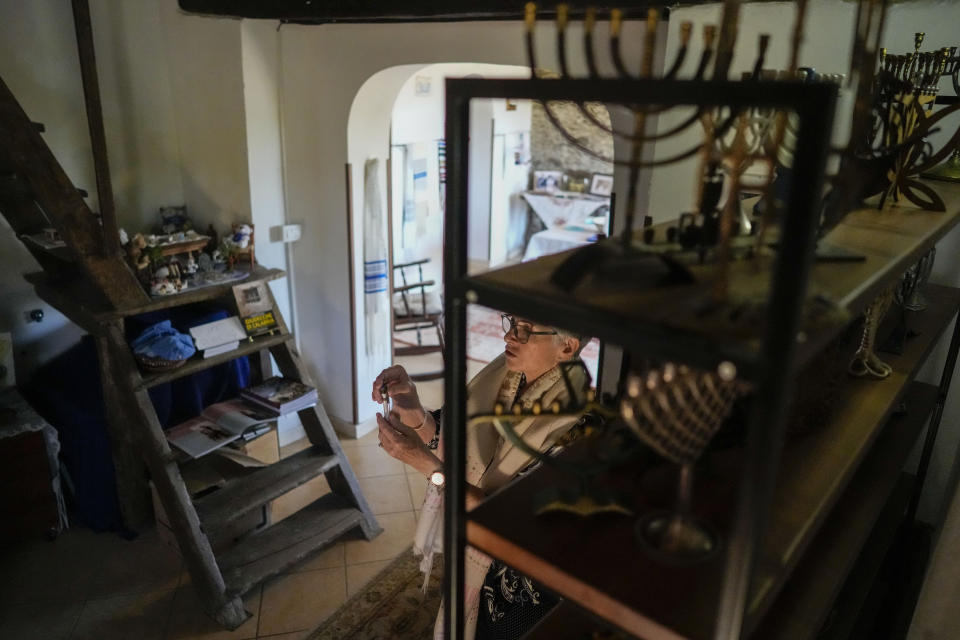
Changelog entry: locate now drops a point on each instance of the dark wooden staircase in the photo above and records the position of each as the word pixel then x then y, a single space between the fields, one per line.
pixel 89 281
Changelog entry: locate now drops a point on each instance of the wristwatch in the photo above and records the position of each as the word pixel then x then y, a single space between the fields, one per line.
pixel 437 479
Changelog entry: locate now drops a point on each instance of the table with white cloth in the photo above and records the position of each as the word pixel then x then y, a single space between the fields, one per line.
pixel 544 243
pixel 563 207
pixel 564 214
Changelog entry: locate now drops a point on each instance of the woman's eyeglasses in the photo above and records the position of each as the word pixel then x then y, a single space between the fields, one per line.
pixel 521 331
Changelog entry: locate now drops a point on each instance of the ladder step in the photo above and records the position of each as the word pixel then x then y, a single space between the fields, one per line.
pixel 199 363
pixel 249 492
pixel 270 552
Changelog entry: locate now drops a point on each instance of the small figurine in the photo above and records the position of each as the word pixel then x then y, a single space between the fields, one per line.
pixel 191 267
pixel 204 263
pixel 162 288
pixel 138 259
pixel 239 244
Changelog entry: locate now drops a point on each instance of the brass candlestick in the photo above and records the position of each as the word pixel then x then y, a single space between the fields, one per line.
pixel 948 171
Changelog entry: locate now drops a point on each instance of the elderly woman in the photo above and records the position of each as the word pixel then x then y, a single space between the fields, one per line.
pixel 499 602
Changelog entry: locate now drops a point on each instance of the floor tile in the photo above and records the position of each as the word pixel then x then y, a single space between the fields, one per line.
pixel 188 620
pixel 49 620
pixel 359 574
pixel 397 536
pixel 296 446
pixel 296 499
pixel 368 462
pixel 142 616
pixel 386 494
pixel 300 601
pixel 74 558
pixel 136 566
pixel 326 559
pixel 366 440
pixel 418 489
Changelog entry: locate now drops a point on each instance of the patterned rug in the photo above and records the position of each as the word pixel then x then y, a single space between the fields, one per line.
pixel 390 607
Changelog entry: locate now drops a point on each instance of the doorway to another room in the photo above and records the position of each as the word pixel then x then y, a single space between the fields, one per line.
pixel 532 194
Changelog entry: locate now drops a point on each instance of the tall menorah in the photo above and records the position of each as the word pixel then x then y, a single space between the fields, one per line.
pixel 731 141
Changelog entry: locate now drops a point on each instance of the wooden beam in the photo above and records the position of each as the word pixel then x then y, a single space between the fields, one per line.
pixel 325 11
pixel 141 419
pixel 133 493
pixel 23 150
pixel 91 95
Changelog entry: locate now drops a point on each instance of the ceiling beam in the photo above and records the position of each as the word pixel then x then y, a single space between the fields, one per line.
pixel 328 11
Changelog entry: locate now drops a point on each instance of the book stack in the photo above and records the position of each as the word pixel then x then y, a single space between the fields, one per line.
pixel 219 424
pixel 280 395
pixel 220 336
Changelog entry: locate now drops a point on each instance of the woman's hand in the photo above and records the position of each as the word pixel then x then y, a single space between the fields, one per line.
pixel 406 402
pixel 404 444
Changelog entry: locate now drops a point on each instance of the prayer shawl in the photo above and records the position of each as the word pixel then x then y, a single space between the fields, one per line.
pixel 376 307
pixel 491 462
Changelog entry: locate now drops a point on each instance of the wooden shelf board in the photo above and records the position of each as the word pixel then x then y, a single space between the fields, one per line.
pixel 801 608
pixel 271 551
pixel 199 363
pixel 243 494
pixel 855 594
pixel 660 320
pixel 77 299
pixel 600 565
pixel 809 491
pixel 566 620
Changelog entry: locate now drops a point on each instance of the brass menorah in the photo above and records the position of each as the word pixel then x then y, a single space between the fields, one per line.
pixel 894 114
pixel 732 139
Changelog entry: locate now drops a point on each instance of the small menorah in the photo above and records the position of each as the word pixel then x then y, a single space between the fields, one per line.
pixel 676 410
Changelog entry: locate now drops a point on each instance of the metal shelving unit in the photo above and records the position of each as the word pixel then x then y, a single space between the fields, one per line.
pixel 770 503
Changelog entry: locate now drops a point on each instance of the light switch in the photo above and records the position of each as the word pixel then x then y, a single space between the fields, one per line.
pixel 285 233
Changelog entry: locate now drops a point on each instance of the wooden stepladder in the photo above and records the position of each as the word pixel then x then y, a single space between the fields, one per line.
pixel 89 281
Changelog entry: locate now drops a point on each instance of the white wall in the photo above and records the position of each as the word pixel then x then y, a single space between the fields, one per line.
pixel 262 94
pixel 205 63
pixel 40 65
pixel 324 67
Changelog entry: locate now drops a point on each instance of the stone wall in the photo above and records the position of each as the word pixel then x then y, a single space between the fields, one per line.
pixel 551 151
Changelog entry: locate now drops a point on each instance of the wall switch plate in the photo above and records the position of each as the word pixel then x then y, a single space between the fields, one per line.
pixel 285 233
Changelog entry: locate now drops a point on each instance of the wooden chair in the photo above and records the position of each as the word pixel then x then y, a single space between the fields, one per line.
pixel 417 307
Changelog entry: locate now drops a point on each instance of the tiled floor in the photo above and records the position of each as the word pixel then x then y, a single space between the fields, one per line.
pixel 100 587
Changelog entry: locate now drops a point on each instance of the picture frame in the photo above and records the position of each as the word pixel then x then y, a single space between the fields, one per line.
pixel 547 180
pixel 601 184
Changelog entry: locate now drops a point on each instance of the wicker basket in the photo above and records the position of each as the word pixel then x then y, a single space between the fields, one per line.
pixel 158 364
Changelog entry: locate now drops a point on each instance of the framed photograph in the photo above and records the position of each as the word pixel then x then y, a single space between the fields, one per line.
pixel 601 184
pixel 546 180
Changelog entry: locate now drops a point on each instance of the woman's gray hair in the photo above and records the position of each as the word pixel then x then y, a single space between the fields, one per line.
pixel 563 334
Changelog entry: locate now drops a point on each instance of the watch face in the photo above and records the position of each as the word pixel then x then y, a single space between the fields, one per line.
pixel 436 478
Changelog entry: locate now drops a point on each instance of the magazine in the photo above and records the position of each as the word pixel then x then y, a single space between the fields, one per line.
pixel 255 306
pixel 280 395
pixel 218 425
